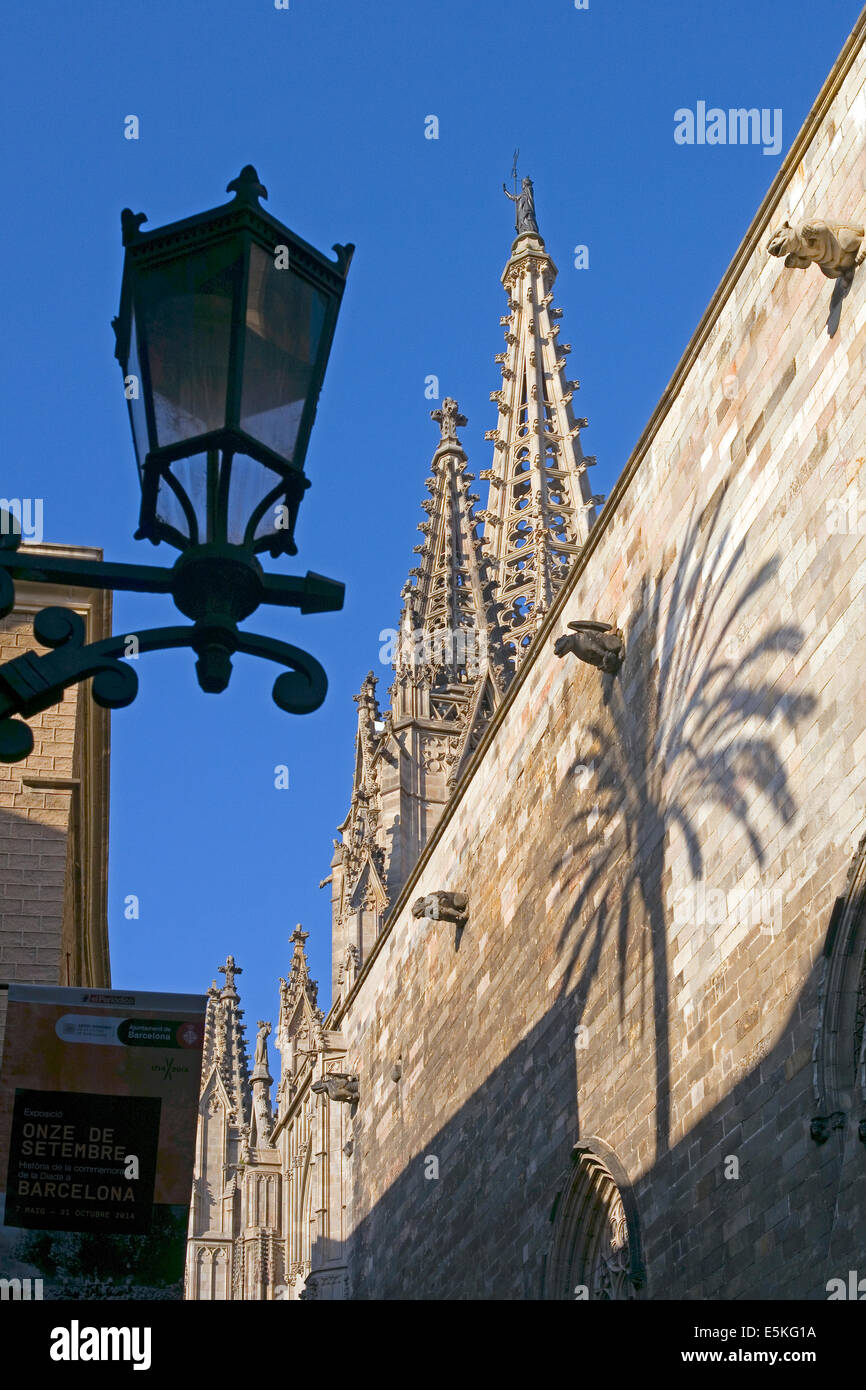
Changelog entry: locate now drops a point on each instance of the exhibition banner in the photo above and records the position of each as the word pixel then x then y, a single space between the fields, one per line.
pixel 98 1110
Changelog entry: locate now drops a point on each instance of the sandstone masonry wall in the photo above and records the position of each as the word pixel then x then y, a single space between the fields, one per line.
pixel 54 817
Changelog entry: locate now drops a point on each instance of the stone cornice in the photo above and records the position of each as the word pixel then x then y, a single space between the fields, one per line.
pixel 752 240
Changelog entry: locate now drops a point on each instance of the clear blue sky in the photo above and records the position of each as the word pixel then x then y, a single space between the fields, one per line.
pixel 328 99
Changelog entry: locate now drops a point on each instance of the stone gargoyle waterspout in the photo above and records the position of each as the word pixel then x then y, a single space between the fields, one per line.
pixel 833 246
pixel 338 1086
pixel 598 644
pixel 442 907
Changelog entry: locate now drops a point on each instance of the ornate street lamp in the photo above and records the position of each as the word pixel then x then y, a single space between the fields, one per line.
pixel 224 331
pixel 225 326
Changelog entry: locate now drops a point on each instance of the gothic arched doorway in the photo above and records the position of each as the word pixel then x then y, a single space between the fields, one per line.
pixel 595 1243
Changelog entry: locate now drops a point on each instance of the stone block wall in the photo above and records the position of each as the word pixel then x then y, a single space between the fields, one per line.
pixel 54 815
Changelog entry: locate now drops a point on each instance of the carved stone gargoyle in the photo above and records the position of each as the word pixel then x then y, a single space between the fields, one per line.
pixel 338 1086
pixel 598 644
pixel 832 246
pixel 822 1126
pixel 442 907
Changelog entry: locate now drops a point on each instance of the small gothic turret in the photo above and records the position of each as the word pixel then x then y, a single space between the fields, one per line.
pixel 359 895
pixel 221 1141
pixel 450 656
pixel 299 1029
pixel 225 1041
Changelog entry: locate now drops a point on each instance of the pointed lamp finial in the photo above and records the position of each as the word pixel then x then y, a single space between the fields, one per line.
pixel 299 936
pixel 247 187
pixel 130 225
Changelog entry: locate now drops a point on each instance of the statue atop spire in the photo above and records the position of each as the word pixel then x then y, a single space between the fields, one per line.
pixel 524 207
pixel 299 936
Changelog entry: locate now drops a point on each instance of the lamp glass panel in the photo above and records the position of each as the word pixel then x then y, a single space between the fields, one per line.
pixel 133 390
pixel 285 317
pixel 191 474
pixel 186 311
pixel 250 483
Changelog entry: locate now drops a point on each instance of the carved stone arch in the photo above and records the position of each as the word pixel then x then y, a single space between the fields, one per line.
pixel 595 1248
pixel 839 1055
pixel 220 1289
pixel 204 1274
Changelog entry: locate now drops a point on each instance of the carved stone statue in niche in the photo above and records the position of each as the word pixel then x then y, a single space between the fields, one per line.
pixel 349 971
pixel 262 1044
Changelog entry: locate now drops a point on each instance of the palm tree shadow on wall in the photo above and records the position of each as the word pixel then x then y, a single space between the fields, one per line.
pixel 694 726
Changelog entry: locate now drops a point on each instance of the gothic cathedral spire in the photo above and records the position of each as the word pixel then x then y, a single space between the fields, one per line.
pixel 540 505
pixel 470 607
pixel 450 672
pixel 451 636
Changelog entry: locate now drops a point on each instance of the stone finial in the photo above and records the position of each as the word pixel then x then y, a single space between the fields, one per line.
pixel 832 246
pixel 449 420
pixel 598 644
pixel 442 907
pixel 230 970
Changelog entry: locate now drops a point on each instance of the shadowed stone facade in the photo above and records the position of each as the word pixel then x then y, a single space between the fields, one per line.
pixel 636 1069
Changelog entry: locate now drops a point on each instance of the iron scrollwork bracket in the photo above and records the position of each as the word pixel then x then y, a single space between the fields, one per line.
pixel 33 682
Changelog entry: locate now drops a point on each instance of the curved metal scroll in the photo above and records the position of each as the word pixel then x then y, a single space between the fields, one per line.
pixel 31 682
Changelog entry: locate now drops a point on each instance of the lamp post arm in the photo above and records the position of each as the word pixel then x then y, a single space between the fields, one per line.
pixel 86 574
pixel 215 585
pixel 31 682
pixel 311 593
